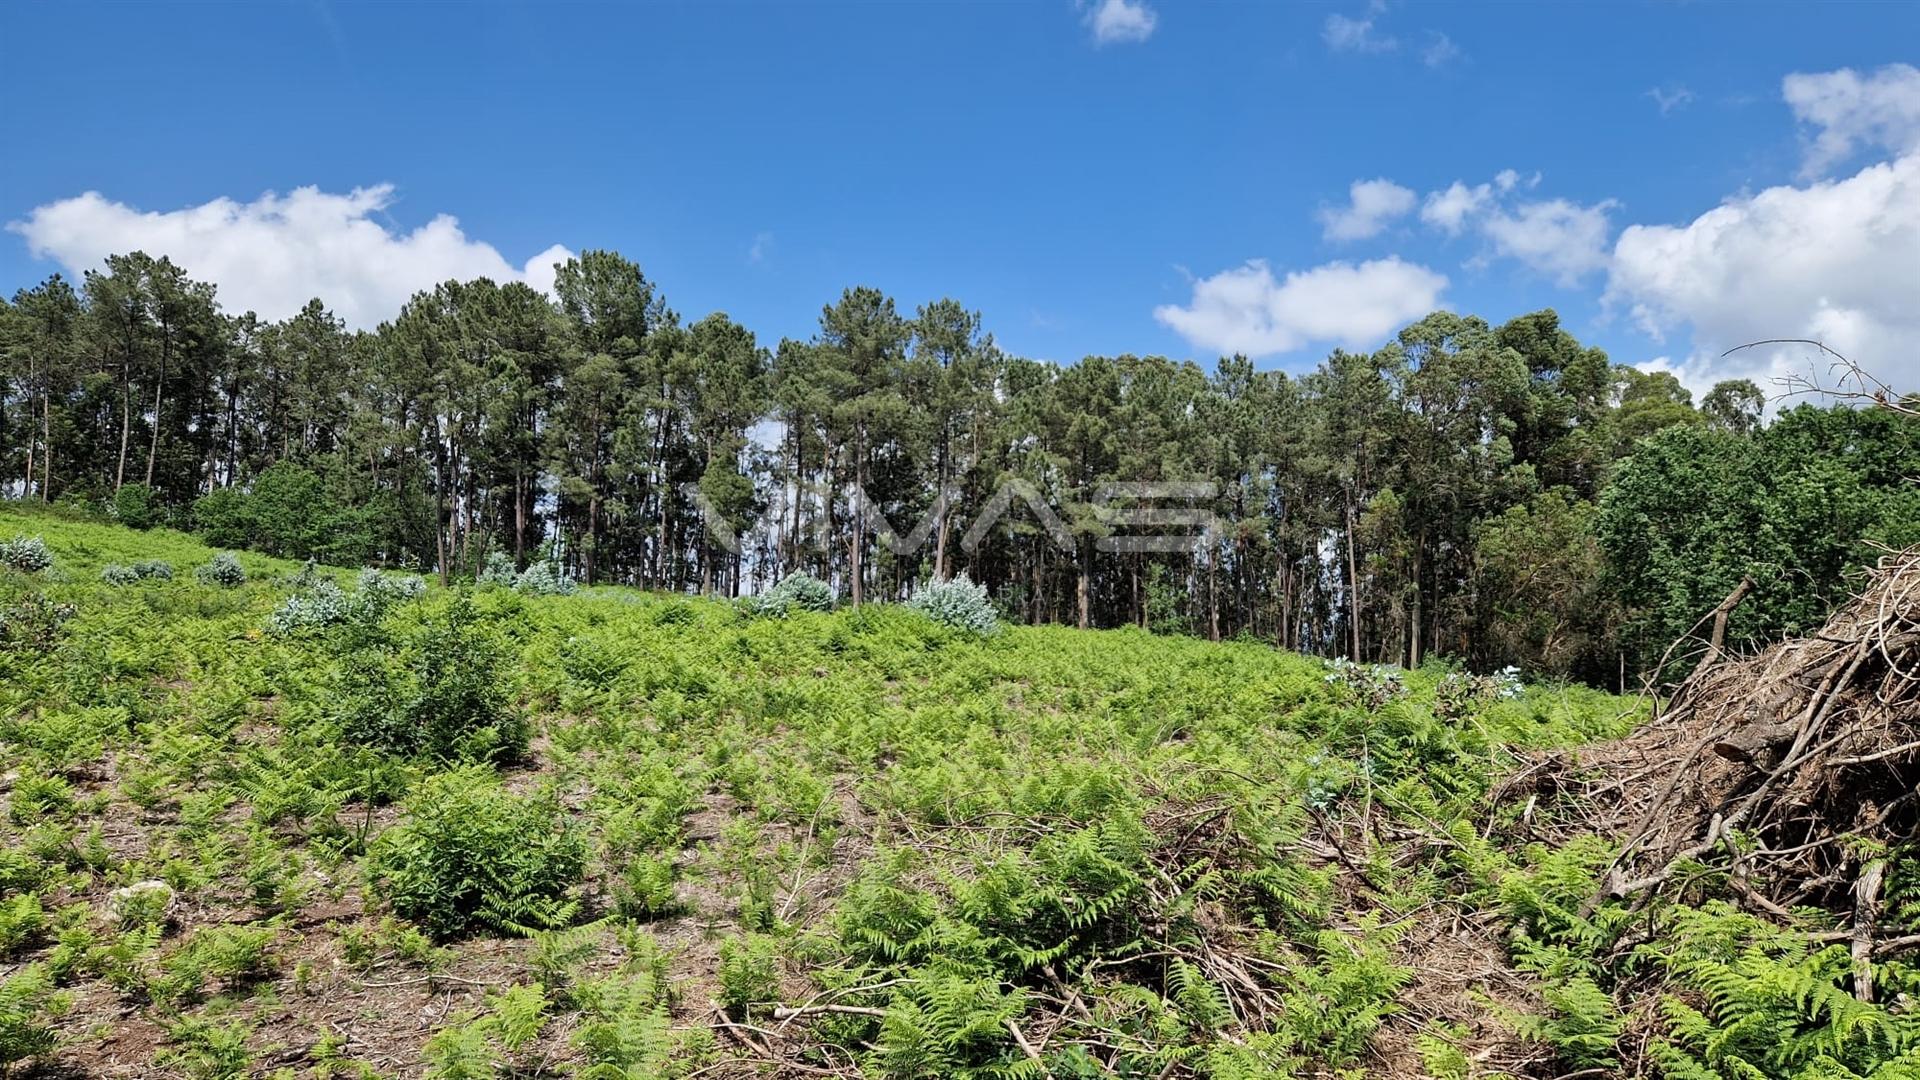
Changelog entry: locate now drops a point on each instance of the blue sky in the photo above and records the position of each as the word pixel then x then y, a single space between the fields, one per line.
pixel 1094 177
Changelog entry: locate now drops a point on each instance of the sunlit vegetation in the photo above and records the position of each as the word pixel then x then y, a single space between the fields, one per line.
pixel 480 832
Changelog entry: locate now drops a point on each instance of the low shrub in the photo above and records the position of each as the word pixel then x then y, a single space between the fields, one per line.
pixel 798 591
pixel 498 573
pixel 27 554
pixel 645 889
pixel 324 604
pixel 958 603
pixel 119 574
pixel 470 854
pixel 749 971
pixel 381 590
pixel 441 695
pixel 545 579
pixel 223 570
pixel 136 506
pixel 154 569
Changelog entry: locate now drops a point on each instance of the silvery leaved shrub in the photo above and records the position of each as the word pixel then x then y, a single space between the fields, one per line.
pixel 545 579
pixel 382 590
pixel 119 574
pixel 798 591
pixel 27 554
pixel 223 570
pixel 498 572
pixel 959 603
pixel 324 604
pixel 154 569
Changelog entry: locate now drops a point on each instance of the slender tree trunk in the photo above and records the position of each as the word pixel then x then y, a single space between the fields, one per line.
pixel 1085 588
pixel 126 428
pixel 1139 606
pixel 159 386
pixel 940 531
pixel 1213 594
pixel 26 486
pixel 859 523
pixel 519 516
pixel 1413 646
pixel 1353 583
pixel 46 447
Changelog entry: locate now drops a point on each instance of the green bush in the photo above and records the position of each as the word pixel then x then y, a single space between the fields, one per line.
pixel 470 854
pixel 136 506
pixel 645 888
pixel 441 696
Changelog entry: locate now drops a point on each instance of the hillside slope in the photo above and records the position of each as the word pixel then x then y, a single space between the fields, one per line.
pixel 616 834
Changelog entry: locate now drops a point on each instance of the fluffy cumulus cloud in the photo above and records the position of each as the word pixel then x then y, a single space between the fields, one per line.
pixel 277 252
pixel 1450 209
pixel 1846 112
pixel 1372 206
pixel 1248 310
pixel 1118 22
pixel 1561 239
pixel 1830 259
pixel 1836 261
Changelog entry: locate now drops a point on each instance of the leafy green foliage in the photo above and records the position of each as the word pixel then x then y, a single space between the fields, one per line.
pixel 470 854
pixel 439 693
pixel 28 1005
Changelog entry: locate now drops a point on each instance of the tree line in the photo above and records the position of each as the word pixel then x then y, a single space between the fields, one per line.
pixel 1496 494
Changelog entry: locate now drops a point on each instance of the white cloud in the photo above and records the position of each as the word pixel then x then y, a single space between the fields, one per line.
pixel 1669 98
pixel 761 248
pixel 1439 51
pixel 1345 34
pixel 1247 310
pixel 1837 261
pixel 1556 237
pixel 1116 22
pixel 277 252
pixel 1850 111
pixel 1449 210
pixel 1373 204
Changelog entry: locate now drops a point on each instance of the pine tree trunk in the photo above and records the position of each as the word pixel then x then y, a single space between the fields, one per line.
pixel 857 532
pixel 1353 584
pixel 1085 587
pixel 126 428
pixel 1413 647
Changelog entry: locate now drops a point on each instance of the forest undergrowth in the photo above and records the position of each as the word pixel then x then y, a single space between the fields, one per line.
pixel 266 819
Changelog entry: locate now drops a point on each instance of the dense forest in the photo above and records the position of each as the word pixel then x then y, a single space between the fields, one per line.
pixel 1493 494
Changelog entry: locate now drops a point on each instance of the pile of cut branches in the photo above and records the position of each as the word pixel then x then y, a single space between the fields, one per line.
pixel 1793 770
